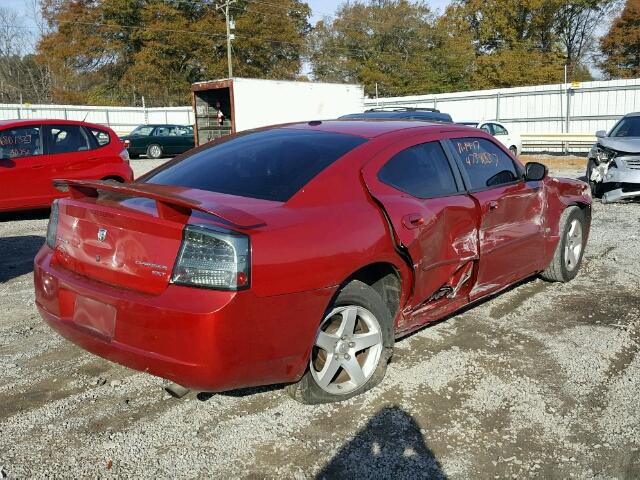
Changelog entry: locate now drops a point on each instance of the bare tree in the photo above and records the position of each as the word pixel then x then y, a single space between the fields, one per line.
pixel 577 25
pixel 21 77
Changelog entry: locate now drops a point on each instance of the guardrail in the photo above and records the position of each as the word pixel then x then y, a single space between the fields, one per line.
pixel 557 142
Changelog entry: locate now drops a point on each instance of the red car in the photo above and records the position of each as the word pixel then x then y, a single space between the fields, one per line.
pixel 299 253
pixel 34 152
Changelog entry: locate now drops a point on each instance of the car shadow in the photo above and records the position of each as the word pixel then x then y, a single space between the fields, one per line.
pixel 391 445
pixel 17 254
pixel 38 214
pixel 240 392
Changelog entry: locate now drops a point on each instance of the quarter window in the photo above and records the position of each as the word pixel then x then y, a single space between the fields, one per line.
pixel 499 129
pixel 485 163
pixel 20 142
pixel 422 171
pixel 102 138
pixel 67 139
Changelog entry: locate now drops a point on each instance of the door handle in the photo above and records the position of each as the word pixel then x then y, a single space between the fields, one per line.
pixel 493 205
pixel 413 220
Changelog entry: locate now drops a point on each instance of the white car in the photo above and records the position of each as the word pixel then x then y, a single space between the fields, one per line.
pixel 510 140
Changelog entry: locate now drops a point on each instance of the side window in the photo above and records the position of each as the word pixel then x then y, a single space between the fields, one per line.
pixel 422 171
pixel 162 131
pixel 499 129
pixel 142 131
pixel 485 163
pixel 486 128
pixel 20 142
pixel 101 137
pixel 67 139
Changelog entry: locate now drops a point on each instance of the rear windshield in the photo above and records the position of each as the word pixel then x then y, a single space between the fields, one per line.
pixel 269 165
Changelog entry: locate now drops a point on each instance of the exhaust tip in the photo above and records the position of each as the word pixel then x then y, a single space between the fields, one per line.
pixel 175 390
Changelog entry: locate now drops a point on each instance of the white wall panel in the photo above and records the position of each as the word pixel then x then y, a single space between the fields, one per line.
pixel 538 109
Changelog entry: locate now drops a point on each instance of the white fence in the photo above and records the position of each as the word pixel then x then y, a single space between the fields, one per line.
pixel 121 119
pixel 536 112
pixel 575 108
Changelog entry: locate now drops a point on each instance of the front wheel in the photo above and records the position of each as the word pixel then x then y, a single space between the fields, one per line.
pixel 353 345
pixel 568 255
pixel 154 151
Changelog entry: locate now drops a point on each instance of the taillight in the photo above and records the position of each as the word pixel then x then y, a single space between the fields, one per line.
pixel 212 258
pixel 124 155
pixel 52 228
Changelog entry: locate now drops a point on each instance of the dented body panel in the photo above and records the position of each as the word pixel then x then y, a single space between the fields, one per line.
pixel 614 161
pixel 447 252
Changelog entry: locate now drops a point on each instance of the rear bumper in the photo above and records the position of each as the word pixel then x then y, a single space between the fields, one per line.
pixel 202 339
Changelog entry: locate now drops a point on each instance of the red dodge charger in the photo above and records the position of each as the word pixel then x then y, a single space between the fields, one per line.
pixel 299 253
pixel 34 152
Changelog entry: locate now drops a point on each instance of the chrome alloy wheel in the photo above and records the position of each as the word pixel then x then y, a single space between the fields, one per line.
pixel 155 151
pixel 347 350
pixel 573 245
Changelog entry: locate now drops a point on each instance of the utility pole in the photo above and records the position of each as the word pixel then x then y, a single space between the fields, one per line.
pixel 224 8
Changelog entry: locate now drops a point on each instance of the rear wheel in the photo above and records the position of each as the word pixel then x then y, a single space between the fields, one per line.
pixel 353 345
pixel 154 151
pixel 568 255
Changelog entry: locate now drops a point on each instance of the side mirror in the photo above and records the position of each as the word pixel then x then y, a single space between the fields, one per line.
pixel 535 171
pixel 601 134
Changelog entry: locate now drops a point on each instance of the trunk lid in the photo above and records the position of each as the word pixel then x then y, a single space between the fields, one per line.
pixel 129 236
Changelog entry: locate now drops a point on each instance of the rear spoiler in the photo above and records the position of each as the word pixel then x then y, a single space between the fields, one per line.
pixel 169 204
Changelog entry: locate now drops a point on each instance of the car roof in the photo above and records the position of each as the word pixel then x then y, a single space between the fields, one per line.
pixel 371 128
pixel 46 121
pixel 633 114
pixel 400 114
pixel 154 125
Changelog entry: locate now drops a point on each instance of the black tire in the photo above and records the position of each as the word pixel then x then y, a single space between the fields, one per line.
pixel 597 189
pixel 514 150
pixel 560 269
pixel 154 151
pixel 358 294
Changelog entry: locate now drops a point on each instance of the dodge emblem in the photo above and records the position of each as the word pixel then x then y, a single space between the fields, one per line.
pixel 102 234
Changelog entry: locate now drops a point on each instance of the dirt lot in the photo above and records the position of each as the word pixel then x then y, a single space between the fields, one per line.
pixel 541 381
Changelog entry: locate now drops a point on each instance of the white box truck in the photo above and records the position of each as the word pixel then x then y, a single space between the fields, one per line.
pixel 232 105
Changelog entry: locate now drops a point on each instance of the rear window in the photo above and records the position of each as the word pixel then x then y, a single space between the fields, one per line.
pixel 269 165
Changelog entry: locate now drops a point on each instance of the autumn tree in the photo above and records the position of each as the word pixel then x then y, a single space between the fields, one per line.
pixel 514 41
pixel 396 44
pixel 621 45
pixel 115 51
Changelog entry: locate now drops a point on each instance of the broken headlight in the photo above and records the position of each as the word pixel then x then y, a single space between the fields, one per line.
pixel 604 155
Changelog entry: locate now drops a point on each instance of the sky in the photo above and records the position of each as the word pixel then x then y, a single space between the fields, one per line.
pixel 320 8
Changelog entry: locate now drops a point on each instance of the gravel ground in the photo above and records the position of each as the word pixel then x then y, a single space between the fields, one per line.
pixel 541 381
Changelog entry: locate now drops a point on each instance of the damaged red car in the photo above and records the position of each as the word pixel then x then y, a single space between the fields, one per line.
pixel 299 253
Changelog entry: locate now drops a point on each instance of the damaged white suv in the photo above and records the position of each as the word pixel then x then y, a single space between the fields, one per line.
pixel 613 170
